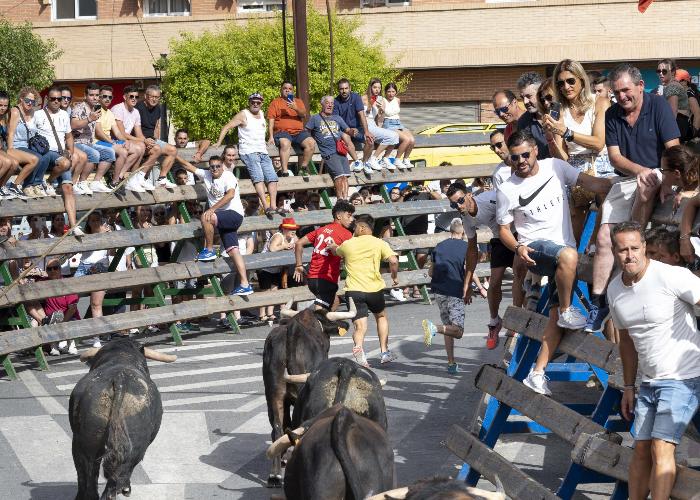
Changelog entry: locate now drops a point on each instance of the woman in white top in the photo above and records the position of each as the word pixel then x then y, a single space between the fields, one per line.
pixel 392 121
pixel 579 133
pixel 271 278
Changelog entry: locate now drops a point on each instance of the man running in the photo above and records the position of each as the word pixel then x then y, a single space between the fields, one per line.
pixel 324 269
pixel 364 284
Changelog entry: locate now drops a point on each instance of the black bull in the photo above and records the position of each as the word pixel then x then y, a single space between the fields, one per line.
pixel 115 412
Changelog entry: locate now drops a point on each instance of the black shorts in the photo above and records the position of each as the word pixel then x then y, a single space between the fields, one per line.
pixel 364 301
pixel 296 140
pixel 501 255
pixel 324 291
pixel 336 166
pixel 267 280
pixel 228 222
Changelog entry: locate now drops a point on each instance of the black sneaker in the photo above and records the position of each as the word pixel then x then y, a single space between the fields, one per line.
pixel 15 190
pixel 56 317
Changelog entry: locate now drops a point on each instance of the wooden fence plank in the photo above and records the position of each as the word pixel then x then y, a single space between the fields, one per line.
pixel 597 453
pixel 562 421
pixel 17 340
pixel 50 205
pixel 490 464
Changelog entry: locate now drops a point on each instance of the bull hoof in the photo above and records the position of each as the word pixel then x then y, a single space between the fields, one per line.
pixel 126 491
pixel 284 462
pixel 274 481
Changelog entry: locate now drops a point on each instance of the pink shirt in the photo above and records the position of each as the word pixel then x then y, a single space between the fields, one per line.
pixel 129 118
pixel 54 304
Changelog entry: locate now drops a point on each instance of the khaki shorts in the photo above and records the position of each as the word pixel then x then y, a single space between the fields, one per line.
pixel 617 206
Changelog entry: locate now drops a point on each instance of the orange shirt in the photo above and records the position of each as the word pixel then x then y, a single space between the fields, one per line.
pixel 286 119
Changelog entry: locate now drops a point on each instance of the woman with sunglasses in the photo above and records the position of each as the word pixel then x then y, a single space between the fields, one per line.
pixel 8 165
pixel 20 129
pixel 392 121
pixel 387 139
pixel 579 133
pixel 675 95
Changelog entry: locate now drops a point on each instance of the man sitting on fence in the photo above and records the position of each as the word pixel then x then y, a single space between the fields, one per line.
pixel 226 214
pixel 652 306
pixel 535 199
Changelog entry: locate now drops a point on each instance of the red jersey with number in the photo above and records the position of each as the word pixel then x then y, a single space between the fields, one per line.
pixel 324 264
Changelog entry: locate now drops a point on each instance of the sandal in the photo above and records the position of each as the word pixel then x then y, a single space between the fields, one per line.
pixel 269 213
pixel 282 211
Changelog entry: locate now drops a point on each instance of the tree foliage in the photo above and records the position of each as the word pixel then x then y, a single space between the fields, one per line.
pixel 209 77
pixel 26 58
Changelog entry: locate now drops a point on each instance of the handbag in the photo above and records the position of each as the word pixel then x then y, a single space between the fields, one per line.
pixel 61 151
pixel 37 143
pixel 340 147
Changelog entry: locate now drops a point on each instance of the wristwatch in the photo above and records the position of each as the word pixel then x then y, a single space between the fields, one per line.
pixel 568 135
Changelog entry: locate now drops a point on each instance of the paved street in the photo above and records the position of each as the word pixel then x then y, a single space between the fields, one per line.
pixel 215 427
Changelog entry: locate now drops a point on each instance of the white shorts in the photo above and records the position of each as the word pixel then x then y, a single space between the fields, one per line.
pixel 383 136
pixel 617 206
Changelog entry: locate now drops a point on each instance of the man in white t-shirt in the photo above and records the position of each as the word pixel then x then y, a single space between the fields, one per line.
pixel 497 143
pixel 480 210
pixel 652 307
pixel 225 213
pixel 535 199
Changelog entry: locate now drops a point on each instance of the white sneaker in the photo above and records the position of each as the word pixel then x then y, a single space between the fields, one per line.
pixel 39 191
pixel 397 294
pixel 388 163
pixel 387 357
pixel 145 183
pixel 164 182
pixel 134 331
pixel 85 188
pixel 537 381
pixel 78 232
pixel 54 351
pixel 99 187
pixel 134 184
pixel 407 163
pixel 49 189
pixel 78 188
pixel 572 319
pixel 356 166
pixel 400 164
pixel 62 345
pixel 374 163
pixel 72 349
pixel 96 342
pixel 153 329
pixel 367 168
pixel 359 354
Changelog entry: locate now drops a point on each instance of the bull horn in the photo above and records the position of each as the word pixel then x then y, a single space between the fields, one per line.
pixel 89 354
pixel 158 356
pixel 287 310
pixel 352 311
pixel 280 446
pixel 382 382
pixel 295 379
pixel 397 494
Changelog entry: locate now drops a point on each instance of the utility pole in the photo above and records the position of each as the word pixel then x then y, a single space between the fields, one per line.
pixel 301 50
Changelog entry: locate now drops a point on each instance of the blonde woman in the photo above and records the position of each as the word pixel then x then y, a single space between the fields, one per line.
pixel 579 132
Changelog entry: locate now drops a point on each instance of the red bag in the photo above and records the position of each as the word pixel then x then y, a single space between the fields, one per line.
pixel 341 147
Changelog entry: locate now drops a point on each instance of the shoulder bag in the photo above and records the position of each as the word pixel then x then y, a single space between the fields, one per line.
pixel 61 151
pixel 340 147
pixel 37 142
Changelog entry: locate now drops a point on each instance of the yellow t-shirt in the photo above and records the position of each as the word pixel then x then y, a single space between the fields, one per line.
pixel 363 256
pixel 106 121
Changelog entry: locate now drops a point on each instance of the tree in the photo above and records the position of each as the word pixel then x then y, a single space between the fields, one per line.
pixel 26 58
pixel 209 77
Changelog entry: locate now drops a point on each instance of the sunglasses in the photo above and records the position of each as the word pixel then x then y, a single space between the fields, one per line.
pixel 548 98
pixel 66 98
pixel 132 96
pixel 53 268
pixel 568 81
pixel 662 72
pixel 150 96
pixel 497 145
pixel 55 99
pixel 31 102
pixel 108 97
pixel 515 157
pixel 502 109
pixel 460 201
pixel 215 166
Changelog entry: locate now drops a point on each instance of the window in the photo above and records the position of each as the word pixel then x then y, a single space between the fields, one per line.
pixel 167 7
pixel 74 9
pixel 384 3
pixel 259 5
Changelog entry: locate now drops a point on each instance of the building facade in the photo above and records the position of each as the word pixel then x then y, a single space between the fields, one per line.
pixel 458 51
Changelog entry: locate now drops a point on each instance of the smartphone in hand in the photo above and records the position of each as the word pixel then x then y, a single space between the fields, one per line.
pixel 290 97
pixel 555 110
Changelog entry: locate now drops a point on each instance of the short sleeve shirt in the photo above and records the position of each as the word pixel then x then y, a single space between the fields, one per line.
pixel 325 137
pixel 448 267
pixel 349 108
pixel 107 121
pixel 644 142
pixel 61 121
pixel 657 312
pixel 363 255
pixel 529 123
pixel 539 205
pixel 217 188
pixel 324 264
pixel 55 304
pixel 84 135
pixel 485 215
pixel 130 119
pixel 286 119
pixel 675 88
pixel 500 175
pixel 149 118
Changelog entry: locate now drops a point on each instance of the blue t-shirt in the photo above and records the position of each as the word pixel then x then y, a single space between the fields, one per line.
pixel 529 123
pixel 448 267
pixel 323 136
pixel 643 143
pixel 349 108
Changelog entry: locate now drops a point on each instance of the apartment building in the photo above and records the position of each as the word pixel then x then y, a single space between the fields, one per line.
pixel 458 51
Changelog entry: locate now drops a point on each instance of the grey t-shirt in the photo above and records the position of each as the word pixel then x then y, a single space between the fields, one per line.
pixel 325 137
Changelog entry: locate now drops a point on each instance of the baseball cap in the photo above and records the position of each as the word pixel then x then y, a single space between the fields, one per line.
pixel 255 96
pixel 682 74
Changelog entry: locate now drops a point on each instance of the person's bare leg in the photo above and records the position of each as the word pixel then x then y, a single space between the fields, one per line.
pixel 29 161
pixel 380 150
pixel 35 310
pixel 519 273
pixel 260 190
pixel 494 295
pixel 308 146
pixel 640 471
pixel 96 299
pixel 272 189
pixel 565 276
pixel 208 229
pixel 170 153
pixel 451 331
pixel 285 153
pixel 152 156
pixel 359 331
pixel 642 210
pixel 238 262
pixel 69 203
pixel 367 151
pixel 404 143
pixel 550 340
pixel 411 142
pixel 663 469
pixel 603 261
pixel 382 330
pixel 103 166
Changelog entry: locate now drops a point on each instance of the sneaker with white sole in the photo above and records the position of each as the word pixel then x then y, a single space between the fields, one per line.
pixel 429 331
pixel 397 294
pixel 164 182
pixel 387 357
pixel 206 255
pixel 571 318
pixel 399 164
pixel 78 232
pixel 78 188
pixel 358 353
pixel 96 343
pixel 134 184
pixel 356 166
pixel 537 381
pixel 494 330
pixel 14 189
pixel 374 163
pixel 145 183
pixel 388 163
pixel 49 189
pixel 367 168
pixel 99 187
pixel 85 188
pixel 407 163
pixel 71 348
pixel 54 351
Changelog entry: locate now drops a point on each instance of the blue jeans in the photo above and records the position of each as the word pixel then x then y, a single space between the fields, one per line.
pixel 665 408
pixel 546 257
pixel 97 153
pixel 259 167
pixel 36 178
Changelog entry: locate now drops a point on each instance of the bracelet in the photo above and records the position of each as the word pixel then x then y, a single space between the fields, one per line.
pixel 630 386
pixel 684 236
pixel 518 246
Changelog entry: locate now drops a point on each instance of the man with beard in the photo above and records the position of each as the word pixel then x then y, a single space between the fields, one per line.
pixel 528 84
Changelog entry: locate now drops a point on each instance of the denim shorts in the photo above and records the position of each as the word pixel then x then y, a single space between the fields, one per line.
pixel 86 269
pixel 383 136
pixel 296 139
pixel 546 256
pixel 665 408
pixel 259 167
pixel 64 177
pixel 336 165
pixel 392 124
pixel 97 153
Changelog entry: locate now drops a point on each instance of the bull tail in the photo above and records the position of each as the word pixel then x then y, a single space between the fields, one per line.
pixel 344 376
pixel 340 430
pixel 118 444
